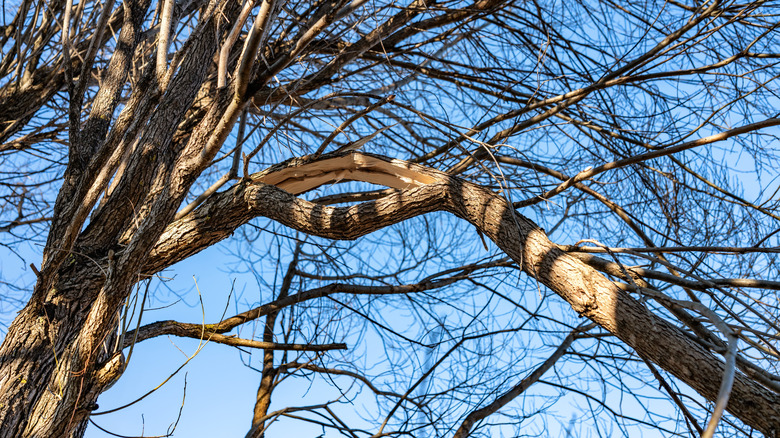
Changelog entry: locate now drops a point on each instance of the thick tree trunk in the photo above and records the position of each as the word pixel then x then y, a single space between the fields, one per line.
pixel 57 356
pixel 47 385
pixel 49 372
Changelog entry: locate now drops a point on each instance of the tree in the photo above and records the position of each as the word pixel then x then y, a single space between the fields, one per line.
pixel 135 135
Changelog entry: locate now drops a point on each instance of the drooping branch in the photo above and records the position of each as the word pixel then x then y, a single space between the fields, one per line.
pixel 290 367
pixel 422 190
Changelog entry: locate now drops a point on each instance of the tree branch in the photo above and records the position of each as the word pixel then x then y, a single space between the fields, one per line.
pixel 475 416
pixel 423 190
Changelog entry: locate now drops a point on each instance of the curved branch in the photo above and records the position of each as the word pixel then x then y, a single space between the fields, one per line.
pixel 422 190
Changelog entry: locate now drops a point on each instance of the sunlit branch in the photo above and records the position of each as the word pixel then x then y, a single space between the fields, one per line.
pixel 590 173
pixel 248 54
pixel 601 300
pixel 227 46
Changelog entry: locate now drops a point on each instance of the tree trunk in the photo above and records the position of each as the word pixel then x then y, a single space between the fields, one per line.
pixel 52 365
pixel 51 361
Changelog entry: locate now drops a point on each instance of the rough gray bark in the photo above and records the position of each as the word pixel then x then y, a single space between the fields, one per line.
pixel 54 357
pixel 588 292
pixel 130 163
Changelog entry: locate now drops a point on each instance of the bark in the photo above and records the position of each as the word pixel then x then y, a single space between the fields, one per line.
pixel 419 190
pixel 422 190
pixel 59 354
pixel 43 338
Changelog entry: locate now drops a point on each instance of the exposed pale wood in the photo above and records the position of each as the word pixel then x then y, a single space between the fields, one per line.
pixel 422 190
pixel 350 167
pixel 588 292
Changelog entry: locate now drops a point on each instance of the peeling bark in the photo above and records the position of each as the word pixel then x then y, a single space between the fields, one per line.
pixel 422 190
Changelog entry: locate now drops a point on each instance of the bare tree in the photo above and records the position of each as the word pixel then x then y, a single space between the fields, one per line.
pixel 642 137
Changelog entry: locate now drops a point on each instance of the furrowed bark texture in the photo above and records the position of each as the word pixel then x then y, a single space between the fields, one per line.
pixel 58 355
pixel 138 139
pixel 588 292
pixel 421 190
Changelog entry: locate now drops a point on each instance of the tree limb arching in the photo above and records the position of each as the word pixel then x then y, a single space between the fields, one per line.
pixel 422 190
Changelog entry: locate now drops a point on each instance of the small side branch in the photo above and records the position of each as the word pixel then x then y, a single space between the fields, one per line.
pixel 349 121
pixel 590 173
pixel 175 328
pixel 224 53
pixel 199 331
pixel 244 70
pixel 465 427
